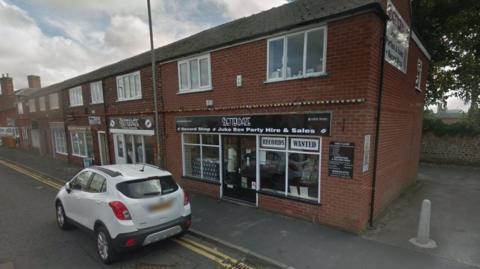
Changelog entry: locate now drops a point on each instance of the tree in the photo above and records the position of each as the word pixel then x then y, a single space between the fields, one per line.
pixel 451 31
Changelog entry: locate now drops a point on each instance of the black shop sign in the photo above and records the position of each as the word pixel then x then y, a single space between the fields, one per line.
pixel 317 124
pixel 141 123
pixel 340 159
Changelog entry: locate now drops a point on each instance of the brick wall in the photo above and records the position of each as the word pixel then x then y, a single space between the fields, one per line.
pixel 401 124
pixel 462 150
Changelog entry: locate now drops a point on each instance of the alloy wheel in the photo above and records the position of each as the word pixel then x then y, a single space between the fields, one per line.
pixel 102 245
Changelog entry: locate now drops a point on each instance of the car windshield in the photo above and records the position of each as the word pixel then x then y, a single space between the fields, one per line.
pixel 149 187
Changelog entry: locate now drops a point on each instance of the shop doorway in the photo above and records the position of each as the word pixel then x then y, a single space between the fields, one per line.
pixel 239 168
pixel 103 149
pixel 129 148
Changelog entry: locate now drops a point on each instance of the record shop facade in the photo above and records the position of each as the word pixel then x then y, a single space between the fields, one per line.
pixel 288 121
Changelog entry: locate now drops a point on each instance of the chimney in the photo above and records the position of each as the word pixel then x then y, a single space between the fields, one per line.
pixel 34 82
pixel 6 85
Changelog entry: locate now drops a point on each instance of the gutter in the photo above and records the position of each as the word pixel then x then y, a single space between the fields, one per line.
pixel 377 128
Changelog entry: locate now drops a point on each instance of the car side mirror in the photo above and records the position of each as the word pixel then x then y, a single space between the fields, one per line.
pixel 68 187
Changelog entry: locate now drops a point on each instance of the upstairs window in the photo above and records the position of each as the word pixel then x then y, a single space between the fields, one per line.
pixel 20 108
pixel 194 74
pixel 31 105
pixel 76 97
pixel 418 79
pixel 96 91
pixel 53 101
pixel 297 55
pixel 42 103
pixel 129 87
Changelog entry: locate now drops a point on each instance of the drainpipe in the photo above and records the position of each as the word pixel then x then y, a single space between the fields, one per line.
pixel 154 86
pixel 377 130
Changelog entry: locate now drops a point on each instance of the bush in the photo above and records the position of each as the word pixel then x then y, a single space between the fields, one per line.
pixel 465 127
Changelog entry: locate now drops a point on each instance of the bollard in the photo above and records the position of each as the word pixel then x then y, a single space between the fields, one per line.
pixel 423 234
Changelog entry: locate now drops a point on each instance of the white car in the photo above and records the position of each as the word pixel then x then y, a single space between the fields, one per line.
pixel 126 206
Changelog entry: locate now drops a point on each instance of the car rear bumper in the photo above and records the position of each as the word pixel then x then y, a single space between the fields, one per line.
pixel 150 235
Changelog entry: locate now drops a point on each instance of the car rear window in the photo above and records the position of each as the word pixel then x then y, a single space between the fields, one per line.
pixel 148 187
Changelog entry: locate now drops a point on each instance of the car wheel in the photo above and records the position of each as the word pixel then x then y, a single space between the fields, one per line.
pixel 62 221
pixel 104 246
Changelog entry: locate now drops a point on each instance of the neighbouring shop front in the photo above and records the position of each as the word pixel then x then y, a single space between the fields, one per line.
pixel 133 139
pixel 278 154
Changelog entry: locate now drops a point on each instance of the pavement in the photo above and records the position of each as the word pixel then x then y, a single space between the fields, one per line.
pixel 301 244
pixel 454 192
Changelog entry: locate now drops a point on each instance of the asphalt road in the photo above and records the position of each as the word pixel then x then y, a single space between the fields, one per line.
pixel 30 238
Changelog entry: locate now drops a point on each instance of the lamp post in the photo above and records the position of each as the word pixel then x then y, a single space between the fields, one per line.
pixel 159 159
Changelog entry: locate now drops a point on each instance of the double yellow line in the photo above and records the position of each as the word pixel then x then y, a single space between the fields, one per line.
pixel 36 176
pixel 221 259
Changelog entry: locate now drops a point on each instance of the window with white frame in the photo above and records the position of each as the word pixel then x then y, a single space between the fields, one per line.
pixel 96 92
pixel 194 74
pixel 79 141
pixel 20 108
pixel 289 166
pixel 31 105
pixel 42 103
pixel 129 87
pixel 201 156
pixel 53 101
pixel 59 140
pixel 76 96
pixel 418 79
pixel 297 55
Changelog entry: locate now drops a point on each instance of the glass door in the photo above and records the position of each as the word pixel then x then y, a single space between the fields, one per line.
pixel 239 165
pixel 119 142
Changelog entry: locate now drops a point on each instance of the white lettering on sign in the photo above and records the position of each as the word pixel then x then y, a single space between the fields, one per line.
pixel 304 144
pixel 273 142
pixel 128 123
pixel 236 121
pixel 397 39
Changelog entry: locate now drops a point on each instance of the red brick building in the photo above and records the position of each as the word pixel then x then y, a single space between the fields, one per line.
pixel 312 109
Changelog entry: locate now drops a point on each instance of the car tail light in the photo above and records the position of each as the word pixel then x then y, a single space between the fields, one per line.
pixel 186 198
pixel 120 210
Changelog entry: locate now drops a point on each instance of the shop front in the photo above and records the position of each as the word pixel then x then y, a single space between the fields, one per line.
pixel 133 139
pixel 245 155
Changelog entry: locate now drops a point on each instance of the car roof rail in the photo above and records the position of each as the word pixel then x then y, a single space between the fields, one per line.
pixel 107 171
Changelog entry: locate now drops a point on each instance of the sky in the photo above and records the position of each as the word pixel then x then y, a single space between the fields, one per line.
pixel 60 39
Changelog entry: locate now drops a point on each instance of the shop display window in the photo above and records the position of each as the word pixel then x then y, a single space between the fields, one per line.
pixel 303 175
pixel 272 171
pixel 201 156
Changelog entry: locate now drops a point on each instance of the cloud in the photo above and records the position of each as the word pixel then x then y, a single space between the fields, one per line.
pixel 58 39
pixel 235 9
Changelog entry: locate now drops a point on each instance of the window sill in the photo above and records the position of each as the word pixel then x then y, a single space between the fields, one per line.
pixel 194 91
pixel 126 100
pixel 62 153
pixel 319 75
pixel 79 156
pixel 93 104
pixel 76 105
pixel 293 198
pixel 208 181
